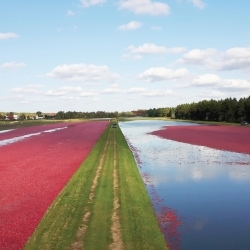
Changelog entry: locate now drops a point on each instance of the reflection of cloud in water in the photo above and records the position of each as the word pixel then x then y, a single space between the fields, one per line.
pixel 239 173
pixel 199 224
pixel 181 162
pixel 196 174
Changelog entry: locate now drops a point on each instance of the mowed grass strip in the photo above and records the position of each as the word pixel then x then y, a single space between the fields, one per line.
pixel 140 228
pixel 98 235
pixel 59 225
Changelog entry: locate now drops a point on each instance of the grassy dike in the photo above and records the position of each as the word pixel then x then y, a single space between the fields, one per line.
pixel 140 226
pixel 64 221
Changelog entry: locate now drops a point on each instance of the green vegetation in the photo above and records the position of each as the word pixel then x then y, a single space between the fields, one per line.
pixel 228 110
pixel 81 214
pixel 26 123
pixel 98 234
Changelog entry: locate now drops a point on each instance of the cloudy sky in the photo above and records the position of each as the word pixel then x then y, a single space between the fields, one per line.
pixel 121 55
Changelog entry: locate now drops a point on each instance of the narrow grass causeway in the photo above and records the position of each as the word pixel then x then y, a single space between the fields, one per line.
pixel 104 205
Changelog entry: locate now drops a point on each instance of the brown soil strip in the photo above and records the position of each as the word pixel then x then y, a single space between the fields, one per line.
pixel 116 225
pixel 78 243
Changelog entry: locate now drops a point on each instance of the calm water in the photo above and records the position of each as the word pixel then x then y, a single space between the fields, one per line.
pixel 206 191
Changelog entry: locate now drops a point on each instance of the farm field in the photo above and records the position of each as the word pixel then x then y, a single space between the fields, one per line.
pixel 6 124
pixel 230 138
pixel 71 185
pixel 34 169
pixel 104 206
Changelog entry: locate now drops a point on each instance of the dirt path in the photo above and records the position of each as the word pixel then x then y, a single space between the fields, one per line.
pixel 78 243
pixel 116 224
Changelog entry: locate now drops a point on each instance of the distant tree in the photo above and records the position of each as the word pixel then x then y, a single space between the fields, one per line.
pixel 22 116
pixel 38 113
pixel 60 115
pixel 247 108
pixel 116 115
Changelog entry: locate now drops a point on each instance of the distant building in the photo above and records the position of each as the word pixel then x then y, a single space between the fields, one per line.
pixel 139 112
pixel 11 116
pixel 50 116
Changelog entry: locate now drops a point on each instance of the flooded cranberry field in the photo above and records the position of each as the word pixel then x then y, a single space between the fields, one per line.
pixel 201 195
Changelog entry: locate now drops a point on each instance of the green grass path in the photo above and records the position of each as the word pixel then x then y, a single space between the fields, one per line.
pixel 80 217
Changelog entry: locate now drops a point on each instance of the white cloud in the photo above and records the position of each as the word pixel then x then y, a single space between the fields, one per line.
pixel 33 89
pixel 130 26
pixel 70 89
pixel 150 48
pixel 64 91
pixel 198 3
pixel 8 35
pixel 136 90
pixel 13 65
pixel 70 13
pixel 88 94
pixel 115 85
pixel 162 74
pixel 215 95
pixel 206 80
pixel 24 102
pixel 13 97
pixel 145 7
pixel 70 98
pixel 156 28
pixel 55 93
pixel 149 93
pixel 234 58
pixel 158 92
pixel 197 56
pixel 129 56
pixel 215 82
pixel 234 85
pixel 83 72
pixel 87 3
pixel 111 91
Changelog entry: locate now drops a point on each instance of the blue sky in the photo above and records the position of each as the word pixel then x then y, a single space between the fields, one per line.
pixel 103 55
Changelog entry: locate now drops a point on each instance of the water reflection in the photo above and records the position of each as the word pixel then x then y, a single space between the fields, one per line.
pixel 208 188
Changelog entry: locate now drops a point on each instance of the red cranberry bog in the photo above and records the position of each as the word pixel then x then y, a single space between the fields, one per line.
pixel 35 164
pixel 230 138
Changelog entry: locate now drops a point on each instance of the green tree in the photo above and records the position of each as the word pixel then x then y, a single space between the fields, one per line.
pixel 22 116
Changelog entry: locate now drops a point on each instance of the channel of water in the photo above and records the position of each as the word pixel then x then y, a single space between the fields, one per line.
pixel 202 195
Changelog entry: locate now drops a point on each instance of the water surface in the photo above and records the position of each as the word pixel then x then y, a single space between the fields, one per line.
pixel 206 191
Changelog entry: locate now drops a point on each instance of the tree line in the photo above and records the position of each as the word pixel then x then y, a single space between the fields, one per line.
pixel 85 115
pixel 229 110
